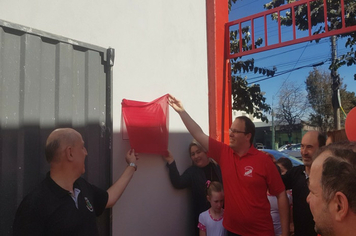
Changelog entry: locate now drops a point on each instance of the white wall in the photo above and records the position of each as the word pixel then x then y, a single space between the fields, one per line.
pixel 160 48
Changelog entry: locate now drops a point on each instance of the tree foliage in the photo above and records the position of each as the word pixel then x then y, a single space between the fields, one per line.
pixel 248 98
pixel 317 21
pixel 319 97
pixel 230 2
pixel 292 107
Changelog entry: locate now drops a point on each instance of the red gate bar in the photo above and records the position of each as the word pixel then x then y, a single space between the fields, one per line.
pixel 295 40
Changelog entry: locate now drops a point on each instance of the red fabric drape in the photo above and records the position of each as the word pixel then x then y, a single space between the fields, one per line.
pixel 147 125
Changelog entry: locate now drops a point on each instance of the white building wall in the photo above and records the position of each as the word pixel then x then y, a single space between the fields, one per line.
pixel 160 48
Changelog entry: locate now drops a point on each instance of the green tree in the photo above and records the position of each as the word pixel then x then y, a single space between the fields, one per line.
pixel 317 21
pixel 230 2
pixel 319 97
pixel 248 98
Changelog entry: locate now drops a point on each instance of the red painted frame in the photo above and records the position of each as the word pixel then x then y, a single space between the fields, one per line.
pixel 219 86
pixel 295 40
pixel 219 68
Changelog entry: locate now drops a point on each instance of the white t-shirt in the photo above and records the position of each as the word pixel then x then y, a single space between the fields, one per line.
pixel 211 226
pixel 275 213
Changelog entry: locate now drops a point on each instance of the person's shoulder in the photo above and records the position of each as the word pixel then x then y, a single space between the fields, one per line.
pixel 193 169
pixel 81 180
pixel 83 183
pixel 37 196
pixel 296 170
pixel 299 168
pixel 214 164
pixel 260 153
pixel 205 213
pixel 217 143
pixel 263 156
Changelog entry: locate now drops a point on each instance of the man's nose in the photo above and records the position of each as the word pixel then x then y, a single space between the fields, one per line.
pixel 308 198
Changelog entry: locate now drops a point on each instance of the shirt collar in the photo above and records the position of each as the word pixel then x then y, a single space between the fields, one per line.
pixel 55 188
pixel 251 151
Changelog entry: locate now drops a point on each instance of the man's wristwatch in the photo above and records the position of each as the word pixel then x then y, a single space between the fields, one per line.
pixel 133 165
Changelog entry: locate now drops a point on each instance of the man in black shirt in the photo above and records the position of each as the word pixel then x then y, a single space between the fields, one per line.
pixel 64 203
pixel 297 178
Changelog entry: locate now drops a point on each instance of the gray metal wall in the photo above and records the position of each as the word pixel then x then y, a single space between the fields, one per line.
pixel 48 81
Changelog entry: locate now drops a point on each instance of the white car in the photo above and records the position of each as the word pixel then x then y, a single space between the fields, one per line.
pixel 285 146
pixel 294 150
pixel 259 146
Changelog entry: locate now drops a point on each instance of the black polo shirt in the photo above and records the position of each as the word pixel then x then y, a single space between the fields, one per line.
pixel 296 180
pixel 50 210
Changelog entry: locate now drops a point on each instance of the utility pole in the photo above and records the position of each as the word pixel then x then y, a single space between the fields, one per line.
pixel 335 85
pixel 273 134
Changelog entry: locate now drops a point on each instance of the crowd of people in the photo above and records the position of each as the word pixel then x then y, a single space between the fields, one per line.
pixel 323 200
pixel 236 189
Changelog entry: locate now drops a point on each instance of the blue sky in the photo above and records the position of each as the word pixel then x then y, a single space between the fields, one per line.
pixel 289 58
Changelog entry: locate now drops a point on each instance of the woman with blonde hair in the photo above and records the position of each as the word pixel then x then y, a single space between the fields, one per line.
pixel 203 169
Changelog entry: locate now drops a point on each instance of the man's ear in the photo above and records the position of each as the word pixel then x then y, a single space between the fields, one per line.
pixel 340 206
pixel 248 136
pixel 69 153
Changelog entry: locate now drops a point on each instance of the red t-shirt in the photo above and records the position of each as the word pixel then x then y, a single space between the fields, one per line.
pixel 246 180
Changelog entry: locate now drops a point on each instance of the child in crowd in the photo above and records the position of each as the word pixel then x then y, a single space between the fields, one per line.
pixel 285 165
pixel 210 221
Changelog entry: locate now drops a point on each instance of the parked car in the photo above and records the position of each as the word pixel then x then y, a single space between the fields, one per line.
pixel 294 150
pixel 285 146
pixel 278 154
pixel 259 146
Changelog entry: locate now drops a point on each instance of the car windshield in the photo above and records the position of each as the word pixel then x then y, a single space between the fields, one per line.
pixel 294 147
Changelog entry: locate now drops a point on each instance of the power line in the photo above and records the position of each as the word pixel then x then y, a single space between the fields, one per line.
pixel 243 5
pixel 312 60
pixel 306 45
pixel 288 71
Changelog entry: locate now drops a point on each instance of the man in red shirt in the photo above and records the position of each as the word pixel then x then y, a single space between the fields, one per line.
pixel 247 174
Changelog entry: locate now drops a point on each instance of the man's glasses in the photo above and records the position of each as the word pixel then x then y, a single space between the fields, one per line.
pixel 237 131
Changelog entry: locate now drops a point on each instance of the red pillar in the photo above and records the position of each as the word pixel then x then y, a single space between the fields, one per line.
pixel 218 70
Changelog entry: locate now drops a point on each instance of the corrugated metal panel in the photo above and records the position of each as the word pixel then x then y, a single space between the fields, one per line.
pixel 48 81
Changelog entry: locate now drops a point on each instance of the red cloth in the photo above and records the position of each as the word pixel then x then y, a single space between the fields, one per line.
pixel 147 125
pixel 246 180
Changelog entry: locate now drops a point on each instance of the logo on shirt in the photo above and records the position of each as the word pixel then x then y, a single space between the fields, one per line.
pixel 248 171
pixel 89 206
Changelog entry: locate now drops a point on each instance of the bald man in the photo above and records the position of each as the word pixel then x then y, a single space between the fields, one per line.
pixel 332 197
pixel 297 180
pixel 64 203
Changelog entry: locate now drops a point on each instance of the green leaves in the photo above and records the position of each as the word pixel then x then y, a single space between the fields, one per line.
pixel 318 85
pixel 248 98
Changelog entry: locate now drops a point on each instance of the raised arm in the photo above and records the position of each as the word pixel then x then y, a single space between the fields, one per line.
pixel 178 181
pixel 117 189
pixel 193 128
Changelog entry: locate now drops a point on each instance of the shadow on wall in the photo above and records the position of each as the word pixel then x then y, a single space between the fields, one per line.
pixel 149 205
pixel 23 166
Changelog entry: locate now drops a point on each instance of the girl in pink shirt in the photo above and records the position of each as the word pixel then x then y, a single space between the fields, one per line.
pixel 210 221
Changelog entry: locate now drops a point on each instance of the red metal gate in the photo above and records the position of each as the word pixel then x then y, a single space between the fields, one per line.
pixel 250 21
